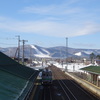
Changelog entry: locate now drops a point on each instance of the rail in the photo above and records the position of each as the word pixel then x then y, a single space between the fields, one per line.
pixel 47 93
pixel 69 88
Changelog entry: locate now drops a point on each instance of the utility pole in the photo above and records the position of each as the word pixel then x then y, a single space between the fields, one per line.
pixel 18 48
pixel 66 53
pixel 23 41
pixel 30 54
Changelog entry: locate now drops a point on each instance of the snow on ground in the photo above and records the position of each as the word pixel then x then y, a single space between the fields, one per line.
pixel 32 46
pixel 78 54
pixel 46 51
pixel 71 66
pixel 88 52
pixel 39 67
pixel 40 54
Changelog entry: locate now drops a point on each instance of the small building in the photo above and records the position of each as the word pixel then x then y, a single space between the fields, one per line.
pixel 93 73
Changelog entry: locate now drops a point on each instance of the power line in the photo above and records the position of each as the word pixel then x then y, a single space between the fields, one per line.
pixel 8 38
pixel 7 44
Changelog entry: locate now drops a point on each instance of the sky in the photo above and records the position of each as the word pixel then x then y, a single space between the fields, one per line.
pixel 48 23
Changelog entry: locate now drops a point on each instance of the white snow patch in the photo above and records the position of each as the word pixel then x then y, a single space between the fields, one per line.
pixel 32 46
pixel 46 51
pixel 39 53
pixel 78 54
pixel 88 52
pixel 71 66
pixel 42 55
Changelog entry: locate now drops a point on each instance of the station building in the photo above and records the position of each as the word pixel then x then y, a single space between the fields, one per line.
pixel 92 74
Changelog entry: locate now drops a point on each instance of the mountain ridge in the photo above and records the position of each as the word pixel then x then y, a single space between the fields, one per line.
pixel 50 52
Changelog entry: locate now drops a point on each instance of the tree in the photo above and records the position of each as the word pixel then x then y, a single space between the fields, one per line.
pixel 98 56
pixel 92 57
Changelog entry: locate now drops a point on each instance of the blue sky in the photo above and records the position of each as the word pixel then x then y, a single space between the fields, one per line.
pixel 47 23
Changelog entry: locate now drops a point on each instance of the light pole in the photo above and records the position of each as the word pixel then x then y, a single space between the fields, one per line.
pixel 66 54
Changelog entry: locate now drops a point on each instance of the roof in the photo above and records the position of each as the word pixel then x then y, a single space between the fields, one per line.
pixel 13 67
pixel 10 86
pixel 92 69
pixel 15 79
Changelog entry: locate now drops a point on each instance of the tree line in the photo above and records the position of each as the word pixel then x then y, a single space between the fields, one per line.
pixel 93 56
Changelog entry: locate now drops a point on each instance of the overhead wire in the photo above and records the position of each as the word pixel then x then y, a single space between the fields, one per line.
pixel 7 39
pixel 7 44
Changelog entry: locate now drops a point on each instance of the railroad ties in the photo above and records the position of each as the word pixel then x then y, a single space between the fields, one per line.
pixel 62 88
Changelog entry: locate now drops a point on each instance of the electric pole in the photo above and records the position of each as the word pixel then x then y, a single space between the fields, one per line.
pixel 18 48
pixel 23 41
pixel 66 53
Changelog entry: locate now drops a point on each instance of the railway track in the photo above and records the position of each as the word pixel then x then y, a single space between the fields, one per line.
pixel 47 93
pixel 63 88
pixel 68 93
pixel 61 80
pixel 69 88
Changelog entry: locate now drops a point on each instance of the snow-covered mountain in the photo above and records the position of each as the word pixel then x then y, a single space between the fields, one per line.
pixel 42 52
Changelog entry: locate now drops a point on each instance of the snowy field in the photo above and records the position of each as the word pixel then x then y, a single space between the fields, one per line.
pixel 73 66
pixel 70 66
